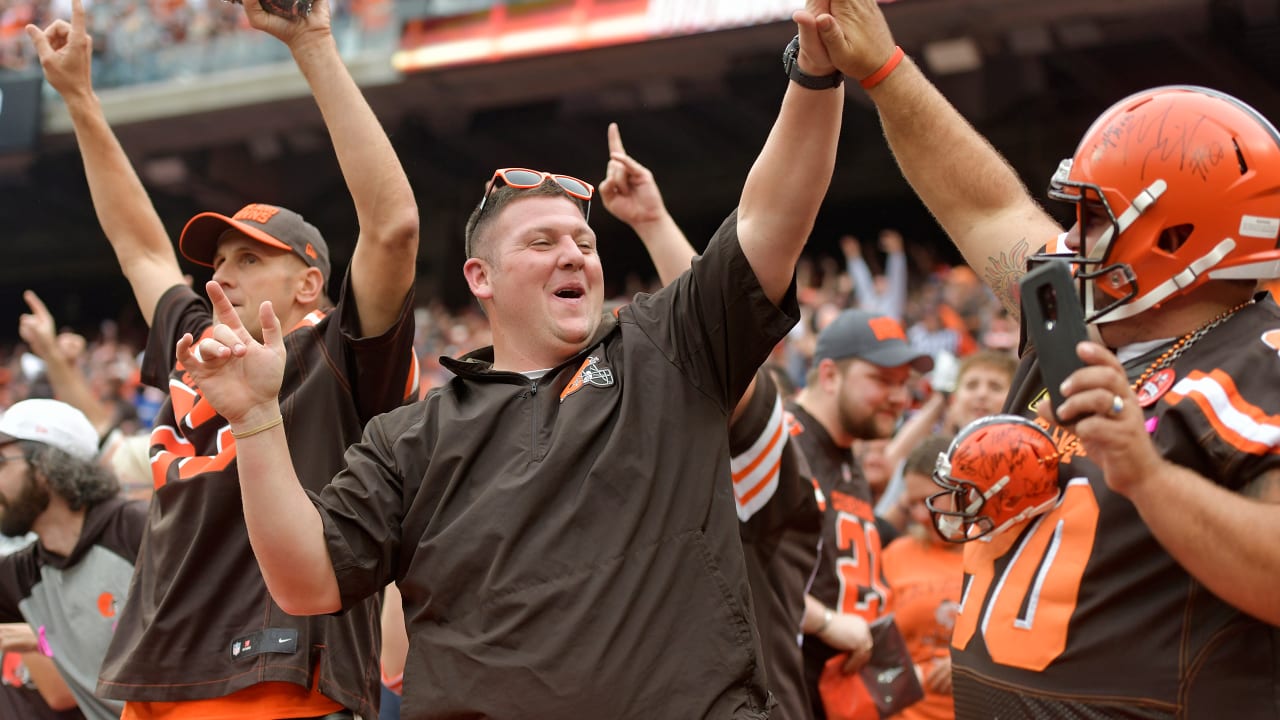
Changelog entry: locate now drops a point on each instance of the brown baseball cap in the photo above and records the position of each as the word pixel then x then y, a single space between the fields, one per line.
pixel 268 224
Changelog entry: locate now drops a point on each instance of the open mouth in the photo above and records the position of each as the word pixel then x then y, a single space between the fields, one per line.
pixel 570 293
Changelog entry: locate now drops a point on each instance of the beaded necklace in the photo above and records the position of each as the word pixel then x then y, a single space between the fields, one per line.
pixel 1168 356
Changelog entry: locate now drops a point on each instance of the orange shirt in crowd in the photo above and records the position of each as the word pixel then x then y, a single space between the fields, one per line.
pixel 926 578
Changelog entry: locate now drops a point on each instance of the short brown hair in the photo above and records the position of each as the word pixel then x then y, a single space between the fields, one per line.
pixel 997 360
pixel 495 202
pixel 924 457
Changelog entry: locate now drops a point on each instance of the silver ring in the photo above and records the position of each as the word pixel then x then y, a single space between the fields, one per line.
pixel 1117 405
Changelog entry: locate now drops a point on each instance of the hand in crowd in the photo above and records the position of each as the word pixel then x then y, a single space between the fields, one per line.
pixel 37 328
pixel 891 241
pixel 17 638
pixel 292 31
pixel 856 36
pixel 629 191
pixel 72 346
pixel 938 678
pixel 239 376
pixel 850 247
pixel 66 53
pixel 849 633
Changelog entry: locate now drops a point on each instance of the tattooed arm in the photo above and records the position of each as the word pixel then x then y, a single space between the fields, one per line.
pixel 1002 272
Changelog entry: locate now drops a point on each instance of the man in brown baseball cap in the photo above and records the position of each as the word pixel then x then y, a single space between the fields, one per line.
pixel 270 225
pixel 201 636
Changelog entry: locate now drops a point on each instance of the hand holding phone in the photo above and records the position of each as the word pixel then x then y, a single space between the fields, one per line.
pixel 1055 324
pixel 292 9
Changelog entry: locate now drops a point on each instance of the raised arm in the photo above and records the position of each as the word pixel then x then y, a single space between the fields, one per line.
pixel 241 378
pixel 864 285
pixel 966 184
pixel 126 214
pixel 69 384
pixel 789 179
pixel 384 263
pixel 895 271
pixel 630 194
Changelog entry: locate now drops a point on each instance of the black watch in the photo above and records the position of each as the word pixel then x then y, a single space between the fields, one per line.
pixel 799 77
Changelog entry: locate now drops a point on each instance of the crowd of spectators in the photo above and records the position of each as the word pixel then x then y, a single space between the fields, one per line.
pixel 936 295
pixel 143 41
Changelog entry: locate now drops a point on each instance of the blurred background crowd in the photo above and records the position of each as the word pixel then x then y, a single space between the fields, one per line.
pixel 147 41
pixel 946 309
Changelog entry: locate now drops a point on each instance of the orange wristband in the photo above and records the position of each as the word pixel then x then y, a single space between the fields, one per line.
pixel 889 66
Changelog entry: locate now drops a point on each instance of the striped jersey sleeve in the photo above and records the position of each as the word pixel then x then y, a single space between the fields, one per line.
pixel 756 442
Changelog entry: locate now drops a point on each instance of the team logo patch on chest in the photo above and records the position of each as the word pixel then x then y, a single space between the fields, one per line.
pixel 591 373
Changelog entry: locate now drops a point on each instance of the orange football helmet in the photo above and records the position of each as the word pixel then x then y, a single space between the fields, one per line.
pixel 1187 182
pixel 999 470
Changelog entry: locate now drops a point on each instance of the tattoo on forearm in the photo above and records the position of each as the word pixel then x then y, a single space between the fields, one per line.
pixel 1002 275
pixel 1265 487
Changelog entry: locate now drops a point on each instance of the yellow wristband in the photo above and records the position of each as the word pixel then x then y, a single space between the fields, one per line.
pixel 261 428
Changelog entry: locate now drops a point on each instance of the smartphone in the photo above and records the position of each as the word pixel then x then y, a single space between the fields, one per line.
pixel 292 9
pixel 1055 323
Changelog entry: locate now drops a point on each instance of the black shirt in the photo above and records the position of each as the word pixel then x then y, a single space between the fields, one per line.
pixel 197 593
pixel 568 547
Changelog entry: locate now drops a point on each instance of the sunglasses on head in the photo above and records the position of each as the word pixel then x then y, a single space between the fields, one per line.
pixel 525 179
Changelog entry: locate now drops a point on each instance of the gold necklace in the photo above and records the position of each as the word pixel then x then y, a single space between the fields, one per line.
pixel 1184 343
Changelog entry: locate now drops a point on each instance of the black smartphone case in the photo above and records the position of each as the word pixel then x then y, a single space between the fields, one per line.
pixel 1055 323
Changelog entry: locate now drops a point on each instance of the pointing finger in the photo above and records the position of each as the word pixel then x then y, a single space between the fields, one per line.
pixel 37 306
pixel 77 17
pixel 615 139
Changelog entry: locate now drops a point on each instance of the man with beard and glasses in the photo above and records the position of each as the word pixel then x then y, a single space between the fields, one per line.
pixel 70 584
pixel 856 390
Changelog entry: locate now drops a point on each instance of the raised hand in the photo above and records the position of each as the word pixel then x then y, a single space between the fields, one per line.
pixel 71 346
pixel 856 36
pixel 891 241
pixel 629 191
pixel 36 328
pixel 66 53
pixel 850 247
pixel 290 30
pixel 814 58
pixel 239 376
